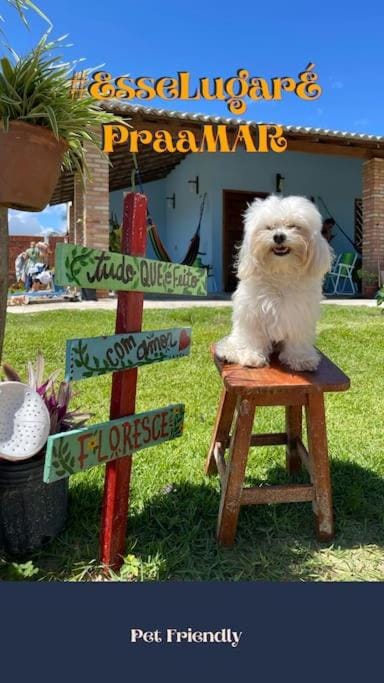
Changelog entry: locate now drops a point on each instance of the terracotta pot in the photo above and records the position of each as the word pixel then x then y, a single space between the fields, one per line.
pixel 369 291
pixel 30 159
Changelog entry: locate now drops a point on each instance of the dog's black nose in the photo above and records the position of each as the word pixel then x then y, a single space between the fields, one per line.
pixel 279 238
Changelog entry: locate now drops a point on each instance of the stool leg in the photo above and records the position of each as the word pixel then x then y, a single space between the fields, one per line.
pixel 232 484
pixel 294 429
pixel 318 454
pixel 221 429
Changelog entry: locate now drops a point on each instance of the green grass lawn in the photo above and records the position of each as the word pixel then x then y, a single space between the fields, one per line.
pixel 173 508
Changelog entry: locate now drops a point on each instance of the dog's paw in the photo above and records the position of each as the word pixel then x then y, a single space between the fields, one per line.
pixel 226 350
pixel 252 359
pixel 308 360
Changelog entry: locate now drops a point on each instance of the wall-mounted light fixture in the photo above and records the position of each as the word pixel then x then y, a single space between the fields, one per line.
pixel 195 183
pixel 279 183
pixel 171 201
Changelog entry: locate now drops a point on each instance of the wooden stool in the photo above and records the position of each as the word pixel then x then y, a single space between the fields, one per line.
pixel 276 385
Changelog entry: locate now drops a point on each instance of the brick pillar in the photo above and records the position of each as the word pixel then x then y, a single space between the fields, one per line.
pixel 373 216
pixel 91 204
pixel 96 225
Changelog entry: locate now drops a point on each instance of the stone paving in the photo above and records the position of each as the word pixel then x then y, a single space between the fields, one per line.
pixel 110 304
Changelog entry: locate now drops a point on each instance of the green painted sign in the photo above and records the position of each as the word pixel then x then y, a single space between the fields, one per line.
pixel 80 449
pixel 94 356
pixel 95 269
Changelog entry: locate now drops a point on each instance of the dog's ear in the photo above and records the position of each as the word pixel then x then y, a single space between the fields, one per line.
pixel 245 264
pixel 320 256
pixel 245 261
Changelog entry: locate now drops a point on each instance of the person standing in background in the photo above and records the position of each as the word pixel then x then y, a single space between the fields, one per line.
pixel 44 252
pixel 326 230
pixel 20 267
pixel 33 256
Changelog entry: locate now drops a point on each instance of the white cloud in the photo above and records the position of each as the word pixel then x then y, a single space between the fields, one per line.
pixel 25 223
pixel 56 209
pixel 47 230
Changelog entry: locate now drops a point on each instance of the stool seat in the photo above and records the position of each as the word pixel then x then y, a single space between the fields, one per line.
pixel 245 389
pixel 278 377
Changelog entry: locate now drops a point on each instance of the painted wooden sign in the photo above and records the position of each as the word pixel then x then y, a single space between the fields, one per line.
pixel 81 449
pixel 94 356
pixel 95 269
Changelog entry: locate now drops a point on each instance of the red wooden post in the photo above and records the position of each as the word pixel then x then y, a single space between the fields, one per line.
pixel 123 398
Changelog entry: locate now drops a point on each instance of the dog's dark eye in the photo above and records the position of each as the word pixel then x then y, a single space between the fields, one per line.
pixel 269 227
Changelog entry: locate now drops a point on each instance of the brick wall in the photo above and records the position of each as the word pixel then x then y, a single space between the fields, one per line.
pixel 19 243
pixel 373 215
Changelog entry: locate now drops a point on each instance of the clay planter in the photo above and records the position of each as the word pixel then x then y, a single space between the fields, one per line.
pixel 30 160
pixel 369 291
pixel 31 513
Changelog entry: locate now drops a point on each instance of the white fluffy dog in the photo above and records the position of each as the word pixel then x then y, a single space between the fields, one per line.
pixel 281 264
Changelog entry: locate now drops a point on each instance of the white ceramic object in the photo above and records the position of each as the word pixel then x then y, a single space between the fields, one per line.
pixel 24 421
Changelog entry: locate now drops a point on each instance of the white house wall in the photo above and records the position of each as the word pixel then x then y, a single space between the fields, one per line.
pixel 338 180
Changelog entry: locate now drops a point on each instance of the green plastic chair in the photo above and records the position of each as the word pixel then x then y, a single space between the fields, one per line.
pixel 340 277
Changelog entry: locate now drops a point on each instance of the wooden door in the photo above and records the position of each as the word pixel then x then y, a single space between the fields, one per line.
pixel 235 203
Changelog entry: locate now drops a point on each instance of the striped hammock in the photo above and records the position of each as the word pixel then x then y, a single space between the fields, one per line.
pixel 194 245
pixel 161 252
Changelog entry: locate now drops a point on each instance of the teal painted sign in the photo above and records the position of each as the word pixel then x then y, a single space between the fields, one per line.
pixel 95 269
pixel 93 356
pixel 81 449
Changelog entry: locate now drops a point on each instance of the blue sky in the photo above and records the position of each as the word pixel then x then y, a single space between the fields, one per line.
pixel 213 38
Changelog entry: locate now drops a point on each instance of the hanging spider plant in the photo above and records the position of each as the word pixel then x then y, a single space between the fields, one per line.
pixel 37 89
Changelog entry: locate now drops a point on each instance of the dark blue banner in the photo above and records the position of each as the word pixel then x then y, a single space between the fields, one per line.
pixel 190 631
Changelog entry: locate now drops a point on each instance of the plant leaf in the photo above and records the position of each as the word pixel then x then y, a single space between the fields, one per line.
pixel 10 373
